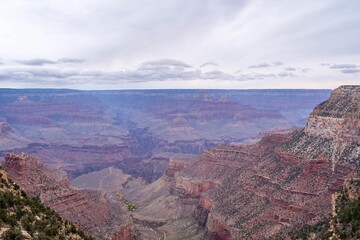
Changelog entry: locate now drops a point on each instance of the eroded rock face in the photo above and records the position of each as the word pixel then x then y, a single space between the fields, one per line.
pixel 87 209
pixel 176 165
pixel 333 129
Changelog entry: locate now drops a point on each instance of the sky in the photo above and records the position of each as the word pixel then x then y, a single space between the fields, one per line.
pixel 160 44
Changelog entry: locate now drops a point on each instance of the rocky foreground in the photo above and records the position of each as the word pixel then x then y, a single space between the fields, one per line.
pixel 24 217
pixel 87 209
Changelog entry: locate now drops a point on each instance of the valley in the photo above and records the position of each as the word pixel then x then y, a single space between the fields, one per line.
pixel 138 131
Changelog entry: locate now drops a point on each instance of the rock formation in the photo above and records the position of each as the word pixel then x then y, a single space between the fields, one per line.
pixel 91 212
pixel 332 130
pixel 24 217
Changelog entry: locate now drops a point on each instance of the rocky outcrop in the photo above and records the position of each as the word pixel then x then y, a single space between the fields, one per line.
pixel 176 165
pixel 332 130
pixel 24 217
pixel 346 205
pixel 87 209
pixel 128 232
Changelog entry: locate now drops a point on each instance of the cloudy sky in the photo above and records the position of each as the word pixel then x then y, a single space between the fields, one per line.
pixel 122 44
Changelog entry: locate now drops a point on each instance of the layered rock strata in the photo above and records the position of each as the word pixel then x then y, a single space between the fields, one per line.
pixel 87 209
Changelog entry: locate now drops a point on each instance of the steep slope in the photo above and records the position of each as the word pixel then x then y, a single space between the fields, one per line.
pixel 346 210
pixel 9 138
pixel 23 217
pixel 345 220
pixel 89 210
pixel 332 130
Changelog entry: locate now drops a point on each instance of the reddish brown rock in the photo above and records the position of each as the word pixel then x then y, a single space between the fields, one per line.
pixel 87 209
pixel 176 165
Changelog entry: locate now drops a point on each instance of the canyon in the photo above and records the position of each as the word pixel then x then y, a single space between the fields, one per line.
pixel 138 131
pixel 256 191
pixel 196 164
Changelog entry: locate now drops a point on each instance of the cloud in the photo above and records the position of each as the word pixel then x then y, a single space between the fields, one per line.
pixel 164 63
pixel 278 63
pixel 290 69
pixel 267 65
pixel 261 65
pixel 343 66
pixel 158 70
pixel 255 76
pixel 285 74
pixel 211 63
pixel 305 70
pixel 217 75
pixel 351 70
pixel 44 61
pixel 70 60
pixel 36 62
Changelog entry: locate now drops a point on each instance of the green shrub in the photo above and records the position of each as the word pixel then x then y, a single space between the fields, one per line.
pixel 12 234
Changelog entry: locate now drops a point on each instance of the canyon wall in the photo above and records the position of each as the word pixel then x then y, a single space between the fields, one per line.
pixel 89 210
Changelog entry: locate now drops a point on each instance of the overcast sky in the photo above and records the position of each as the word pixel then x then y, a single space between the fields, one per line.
pixel 122 44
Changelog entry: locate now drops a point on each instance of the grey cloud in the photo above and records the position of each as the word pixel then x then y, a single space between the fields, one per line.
pixel 70 60
pixel 217 75
pixel 266 65
pixel 36 62
pixel 164 63
pixel 343 66
pixel 44 61
pixel 263 76
pixel 290 69
pixel 305 70
pixel 285 74
pixel 160 70
pixel 350 70
pixel 278 63
pixel 255 76
pixel 209 64
pixel 261 65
